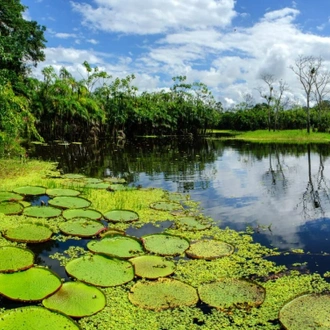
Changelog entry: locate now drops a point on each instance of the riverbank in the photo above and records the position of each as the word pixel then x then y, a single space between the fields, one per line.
pixel 265 136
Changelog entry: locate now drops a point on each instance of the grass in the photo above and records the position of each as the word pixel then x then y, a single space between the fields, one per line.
pixel 285 136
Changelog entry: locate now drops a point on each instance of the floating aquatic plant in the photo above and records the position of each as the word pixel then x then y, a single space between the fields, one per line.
pixel 81 227
pixel 7 196
pixel 166 206
pixel 191 223
pixel 11 208
pixel 32 284
pixel 100 270
pixel 28 233
pixel 165 244
pixel 81 213
pixel 76 299
pixel 62 192
pixel 209 249
pixel 30 190
pixel 231 292
pixel 308 312
pixel 121 216
pixel 162 294
pixel 152 267
pixel 14 258
pixel 68 202
pixel 35 317
pixel 42 212
pixel 117 246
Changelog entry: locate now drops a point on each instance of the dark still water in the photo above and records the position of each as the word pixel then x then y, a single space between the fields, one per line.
pixel 282 192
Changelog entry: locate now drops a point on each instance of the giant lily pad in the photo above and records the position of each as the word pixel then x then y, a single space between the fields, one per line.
pixel 97 185
pixel 11 208
pixel 33 284
pixel 191 223
pixel 231 292
pixel 164 244
pixel 117 246
pixel 114 180
pixel 62 192
pixel 121 216
pixel 73 176
pixel 28 233
pixel 162 294
pixel 42 212
pixel 7 196
pixel 81 227
pixel 209 249
pixel 30 190
pixel 166 206
pixel 101 270
pixel 152 266
pixel 76 299
pixel 35 317
pixel 308 312
pixel 81 213
pixel 68 202
pixel 13 259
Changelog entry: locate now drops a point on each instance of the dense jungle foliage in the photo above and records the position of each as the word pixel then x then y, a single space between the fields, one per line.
pixel 60 107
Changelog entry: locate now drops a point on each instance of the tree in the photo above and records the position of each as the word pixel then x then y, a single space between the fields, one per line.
pixel 307 69
pixel 21 41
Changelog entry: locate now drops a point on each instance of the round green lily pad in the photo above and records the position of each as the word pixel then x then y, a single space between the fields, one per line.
pixel 308 312
pixel 30 190
pixel 62 192
pixel 68 202
pixel 81 213
pixel 120 187
pixel 11 208
pixel 76 299
pixel 73 176
pixel 209 249
pixel 35 317
pixel 81 227
pixel 100 270
pixel 28 233
pixel 152 266
pixel 191 223
pixel 7 196
pixel 162 294
pixel 166 206
pixel 121 216
pixel 164 244
pixel 13 259
pixel 97 185
pixel 32 284
pixel 92 180
pixel 117 246
pixel 42 212
pixel 177 197
pixel 114 180
pixel 231 292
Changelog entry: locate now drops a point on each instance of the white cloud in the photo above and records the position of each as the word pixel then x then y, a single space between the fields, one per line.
pixel 65 35
pixel 92 41
pixel 155 16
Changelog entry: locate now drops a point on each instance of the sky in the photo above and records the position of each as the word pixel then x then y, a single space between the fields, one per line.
pixel 226 44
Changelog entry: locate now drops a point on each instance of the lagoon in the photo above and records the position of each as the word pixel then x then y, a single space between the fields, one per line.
pixel 280 192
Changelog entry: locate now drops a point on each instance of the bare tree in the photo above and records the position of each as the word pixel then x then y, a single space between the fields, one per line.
pixel 273 97
pixel 307 68
pixel 321 82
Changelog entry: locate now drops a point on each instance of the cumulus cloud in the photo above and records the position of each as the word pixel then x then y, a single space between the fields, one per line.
pixel 155 16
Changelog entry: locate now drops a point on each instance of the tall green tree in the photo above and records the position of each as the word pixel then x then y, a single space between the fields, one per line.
pixel 21 41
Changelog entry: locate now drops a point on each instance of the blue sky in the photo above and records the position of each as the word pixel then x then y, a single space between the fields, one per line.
pixel 225 44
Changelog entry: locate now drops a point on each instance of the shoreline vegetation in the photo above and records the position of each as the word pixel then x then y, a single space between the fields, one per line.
pixel 248 262
pixel 265 136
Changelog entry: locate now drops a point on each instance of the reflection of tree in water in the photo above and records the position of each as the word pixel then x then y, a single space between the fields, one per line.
pixel 316 194
pixel 177 159
pixel 274 178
